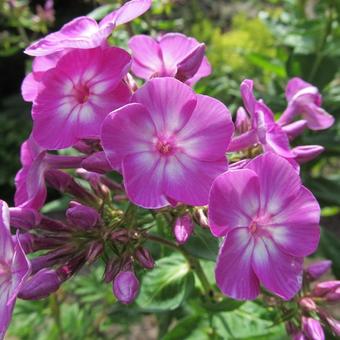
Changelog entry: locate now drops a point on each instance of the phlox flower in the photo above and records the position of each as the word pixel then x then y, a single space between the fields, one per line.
pixel 84 32
pixel 30 180
pixel 77 94
pixel 14 269
pixel 171 143
pixel 259 127
pixel 269 222
pixel 172 55
pixel 304 99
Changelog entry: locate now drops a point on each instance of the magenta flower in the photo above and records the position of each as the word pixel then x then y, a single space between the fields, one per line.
pixel 78 93
pixel 171 143
pixel 14 269
pixel 84 32
pixel 30 179
pixel 172 55
pixel 304 99
pixel 262 128
pixel 269 221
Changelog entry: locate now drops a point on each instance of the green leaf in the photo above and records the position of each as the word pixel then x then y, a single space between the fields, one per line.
pixel 202 244
pixel 192 327
pixel 266 63
pixel 226 305
pixel 166 286
pixel 248 322
pixel 100 12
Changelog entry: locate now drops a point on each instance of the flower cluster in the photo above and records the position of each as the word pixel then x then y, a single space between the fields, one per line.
pixel 177 152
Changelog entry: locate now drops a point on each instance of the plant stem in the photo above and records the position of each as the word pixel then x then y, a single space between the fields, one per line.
pixel 55 309
pixel 194 263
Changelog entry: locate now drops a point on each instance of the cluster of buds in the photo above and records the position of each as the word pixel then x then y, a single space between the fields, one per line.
pixel 315 303
pixel 174 152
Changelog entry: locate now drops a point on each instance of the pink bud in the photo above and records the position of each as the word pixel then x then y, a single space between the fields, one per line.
pixel 317 269
pixel 294 129
pixel 144 257
pixel 308 304
pixel 306 153
pixel 97 162
pixel 323 288
pixel 40 285
pixel 81 216
pixel 57 179
pixel 334 325
pixel 183 228
pixel 187 68
pixel 126 287
pixel 333 296
pixel 94 251
pixel 242 123
pixel 120 235
pixel 112 268
pixel 312 329
pixel 24 218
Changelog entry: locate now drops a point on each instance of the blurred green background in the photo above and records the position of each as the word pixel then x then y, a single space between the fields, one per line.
pixel 268 41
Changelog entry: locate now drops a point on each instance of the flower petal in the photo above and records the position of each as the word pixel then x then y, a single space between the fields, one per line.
pixel 278 272
pixel 189 180
pixel 208 132
pixel 170 103
pixel 143 174
pixel 234 274
pixel 233 201
pixel 279 182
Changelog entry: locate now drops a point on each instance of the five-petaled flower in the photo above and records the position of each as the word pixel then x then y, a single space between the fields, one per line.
pixel 269 221
pixel 171 143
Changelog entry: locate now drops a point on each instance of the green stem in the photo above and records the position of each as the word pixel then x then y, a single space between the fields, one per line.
pixel 55 309
pixel 194 263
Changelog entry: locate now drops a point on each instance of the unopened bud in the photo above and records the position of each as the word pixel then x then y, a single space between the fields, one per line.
pixel 334 325
pixel 112 268
pixel 97 162
pixel 126 287
pixel 312 329
pixel 183 228
pixel 120 235
pixel 333 296
pixel 242 123
pixel 317 269
pixel 94 251
pixel 144 257
pixel 40 285
pixel 308 304
pixel 24 218
pixel 57 179
pixel 323 288
pixel 82 216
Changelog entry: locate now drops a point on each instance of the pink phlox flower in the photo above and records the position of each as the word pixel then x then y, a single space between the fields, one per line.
pixel 172 55
pixel 84 32
pixel 171 143
pixel 269 222
pixel 30 180
pixel 78 93
pixel 14 269
pixel 305 99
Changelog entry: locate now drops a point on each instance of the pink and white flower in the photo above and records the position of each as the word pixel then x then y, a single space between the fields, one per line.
pixel 171 143
pixel 14 269
pixel 78 93
pixel 269 221
pixel 84 32
pixel 172 55
pixel 304 99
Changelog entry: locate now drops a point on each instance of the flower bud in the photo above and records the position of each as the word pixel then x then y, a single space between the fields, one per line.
pixel 334 325
pixel 306 153
pixel 144 258
pixel 333 296
pixel 97 162
pixel 24 218
pixel 40 285
pixel 57 179
pixel 183 228
pixel 317 269
pixel 242 123
pixel 112 268
pixel 82 216
pixel 308 304
pixel 312 329
pixel 126 287
pixel 323 288
pixel 120 235
pixel 95 250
